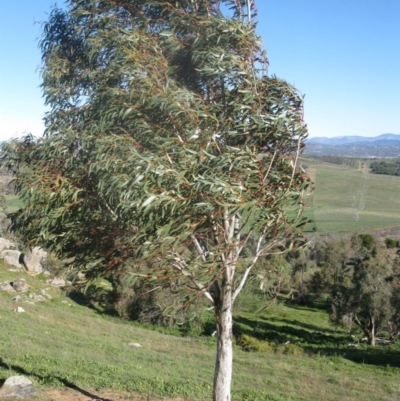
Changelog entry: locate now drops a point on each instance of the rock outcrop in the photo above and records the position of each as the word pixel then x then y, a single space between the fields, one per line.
pixel 6 244
pixel 33 261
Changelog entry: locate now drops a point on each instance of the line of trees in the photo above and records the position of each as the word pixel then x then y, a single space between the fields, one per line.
pixel 385 167
pixel 339 160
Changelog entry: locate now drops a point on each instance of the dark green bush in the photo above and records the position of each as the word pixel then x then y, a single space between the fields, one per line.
pixel 367 240
pixel 390 243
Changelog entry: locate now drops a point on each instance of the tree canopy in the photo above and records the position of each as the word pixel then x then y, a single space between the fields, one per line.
pixel 365 292
pixel 167 146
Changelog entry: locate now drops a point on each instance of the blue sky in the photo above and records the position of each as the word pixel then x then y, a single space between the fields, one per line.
pixel 343 55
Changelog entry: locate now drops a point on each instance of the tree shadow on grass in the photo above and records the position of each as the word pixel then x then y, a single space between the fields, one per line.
pixel 295 322
pixel 270 331
pixel 318 343
pixel 20 370
pixel 382 356
pixel 92 303
pixel 316 306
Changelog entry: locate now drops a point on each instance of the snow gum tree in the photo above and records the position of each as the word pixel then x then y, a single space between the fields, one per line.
pixel 167 146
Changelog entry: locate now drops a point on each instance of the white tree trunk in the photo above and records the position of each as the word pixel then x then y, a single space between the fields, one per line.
pixel 371 333
pixel 223 362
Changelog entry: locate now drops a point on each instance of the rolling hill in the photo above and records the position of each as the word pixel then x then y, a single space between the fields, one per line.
pixel 386 145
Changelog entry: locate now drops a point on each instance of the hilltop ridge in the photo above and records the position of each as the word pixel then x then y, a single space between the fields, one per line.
pixel 385 145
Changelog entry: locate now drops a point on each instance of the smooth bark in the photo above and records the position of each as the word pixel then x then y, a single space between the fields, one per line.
pixel 371 332
pixel 223 362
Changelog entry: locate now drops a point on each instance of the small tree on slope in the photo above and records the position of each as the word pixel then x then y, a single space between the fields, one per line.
pixel 367 294
pixel 166 146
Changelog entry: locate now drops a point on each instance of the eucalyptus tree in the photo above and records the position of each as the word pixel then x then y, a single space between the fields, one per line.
pixel 167 146
pixel 366 295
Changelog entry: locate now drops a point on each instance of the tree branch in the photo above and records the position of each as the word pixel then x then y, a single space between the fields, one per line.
pixel 270 166
pixel 248 10
pixel 248 269
pixel 294 165
pixel 259 252
pixel 179 264
pixel 200 250
pixel 226 224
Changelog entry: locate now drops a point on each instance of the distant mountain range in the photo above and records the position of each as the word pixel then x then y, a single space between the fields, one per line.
pixel 386 145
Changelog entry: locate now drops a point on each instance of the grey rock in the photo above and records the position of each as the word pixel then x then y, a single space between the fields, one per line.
pixel 35 260
pixel 19 310
pixel 20 285
pixel 17 298
pixel 17 387
pixel 136 345
pixel 11 257
pixel 6 287
pixel 56 282
pixel 45 294
pixel 39 298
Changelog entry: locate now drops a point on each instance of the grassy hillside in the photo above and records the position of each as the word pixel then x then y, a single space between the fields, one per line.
pixel 60 343
pixel 352 199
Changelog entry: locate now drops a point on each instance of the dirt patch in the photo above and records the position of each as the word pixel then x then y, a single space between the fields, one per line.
pixel 66 394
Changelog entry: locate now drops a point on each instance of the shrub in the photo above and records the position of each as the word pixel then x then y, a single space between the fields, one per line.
pixel 54 265
pixel 367 240
pixel 145 302
pixel 292 349
pixel 390 243
pixel 251 344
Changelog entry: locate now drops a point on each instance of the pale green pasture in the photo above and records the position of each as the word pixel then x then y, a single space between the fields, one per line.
pixel 341 193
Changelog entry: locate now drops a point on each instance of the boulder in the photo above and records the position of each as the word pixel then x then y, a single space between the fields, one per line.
pixel 19 310
pixel 11 257
pixel 6 287
pixel 6 244
pixel 35 260
pixel 20 285
pixel 17 387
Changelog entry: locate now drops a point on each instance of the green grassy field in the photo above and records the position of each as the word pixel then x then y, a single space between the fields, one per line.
pixel 348 199
pixel 60 343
